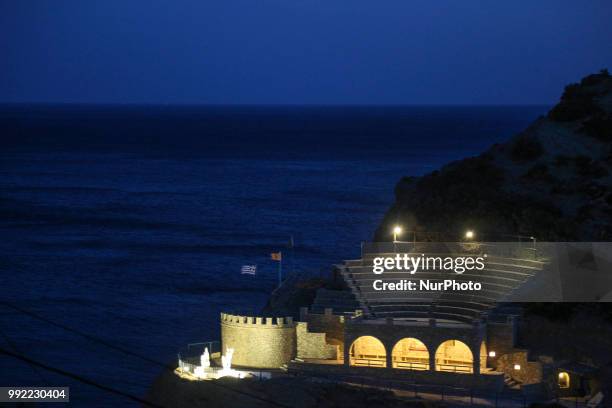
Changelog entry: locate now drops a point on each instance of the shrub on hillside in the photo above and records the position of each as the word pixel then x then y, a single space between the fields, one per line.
pixel 599 127
pixel 586 167
pixel 562 160
pixel 595 79
pixel 538 172
pixel 579 100
pixel 526 149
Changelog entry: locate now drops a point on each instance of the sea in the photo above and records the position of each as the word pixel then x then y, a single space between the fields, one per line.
pixel 125 227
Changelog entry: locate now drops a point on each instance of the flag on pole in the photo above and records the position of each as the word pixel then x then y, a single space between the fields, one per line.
pixel 276 256
pixel 248 270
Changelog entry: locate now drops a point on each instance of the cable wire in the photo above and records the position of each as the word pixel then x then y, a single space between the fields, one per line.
pixel 12 345
pixel 79 378
pixel 123 350
pixel 85 335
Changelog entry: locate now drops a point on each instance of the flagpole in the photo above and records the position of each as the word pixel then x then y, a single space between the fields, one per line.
pixel 280 268
pixel 292 256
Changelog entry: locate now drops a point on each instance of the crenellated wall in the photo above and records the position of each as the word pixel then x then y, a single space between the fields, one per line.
pixel 258 342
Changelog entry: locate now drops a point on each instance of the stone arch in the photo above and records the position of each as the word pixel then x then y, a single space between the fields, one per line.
pixel 368 351
pixel 454 356
pixel 410 353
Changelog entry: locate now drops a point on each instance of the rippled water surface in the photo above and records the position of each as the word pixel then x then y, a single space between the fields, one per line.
pixel 132 225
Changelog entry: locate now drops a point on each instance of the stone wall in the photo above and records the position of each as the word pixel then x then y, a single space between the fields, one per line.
pixel 530 372
pixel 259 342
pixel 328 323
pixel 490 382
pixel 501 339
pixel 314 345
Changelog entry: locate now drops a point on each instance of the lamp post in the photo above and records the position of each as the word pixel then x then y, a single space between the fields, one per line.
pixel 397 230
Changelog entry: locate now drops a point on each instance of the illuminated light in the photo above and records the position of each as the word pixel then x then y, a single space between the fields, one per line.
pixel 226 363
pixel 469 234
pixel 206 372
pixel 492 354
pixel 397 230
pixel 564 380
pixel 517 366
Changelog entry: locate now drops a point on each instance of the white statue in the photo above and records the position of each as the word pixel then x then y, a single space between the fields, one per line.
pixel 226 360
pixel 205 359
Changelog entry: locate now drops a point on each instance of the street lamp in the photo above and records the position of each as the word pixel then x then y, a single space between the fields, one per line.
pixel 469 234
pixel 397 230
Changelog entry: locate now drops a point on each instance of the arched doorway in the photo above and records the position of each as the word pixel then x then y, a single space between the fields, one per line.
pixel 410 354
pixel 564 380
pixel 454 356
pixel 368 351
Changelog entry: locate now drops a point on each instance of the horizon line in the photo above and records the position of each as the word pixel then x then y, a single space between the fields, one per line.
pixel 269 105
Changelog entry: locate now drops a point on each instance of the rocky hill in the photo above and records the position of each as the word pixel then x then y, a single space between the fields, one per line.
pixel 552 181
pixel 171 391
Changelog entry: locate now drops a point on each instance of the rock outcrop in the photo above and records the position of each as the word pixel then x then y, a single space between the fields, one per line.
pixel 552 181
pixel 171 391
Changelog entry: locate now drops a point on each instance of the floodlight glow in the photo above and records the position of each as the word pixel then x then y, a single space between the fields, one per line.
pixel 397 230
pixel 469 234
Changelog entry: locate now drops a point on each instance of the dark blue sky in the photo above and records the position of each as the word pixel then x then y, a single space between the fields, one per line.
pixel 299 51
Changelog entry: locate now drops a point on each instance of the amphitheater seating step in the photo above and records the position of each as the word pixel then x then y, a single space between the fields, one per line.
pixel 502 276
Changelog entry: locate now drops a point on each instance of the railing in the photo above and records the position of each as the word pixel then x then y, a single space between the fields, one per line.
pixel 519 250
pixel 368 362
pixel 445 236
pixel 462 396
pixel 189 356
pixel 411 365
pixel 454 368
pixel 190 368
pixel 185 366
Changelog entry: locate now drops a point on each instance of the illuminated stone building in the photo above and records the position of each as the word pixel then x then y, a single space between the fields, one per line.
pixel 453 339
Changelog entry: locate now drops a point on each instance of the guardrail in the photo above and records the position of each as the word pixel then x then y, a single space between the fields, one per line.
pixel 411 365
pixel 189 356
pixel 454 368
pixel 529 251
pixel 367 362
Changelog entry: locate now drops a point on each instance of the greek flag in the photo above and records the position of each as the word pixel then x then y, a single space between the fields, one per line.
pixel 248 270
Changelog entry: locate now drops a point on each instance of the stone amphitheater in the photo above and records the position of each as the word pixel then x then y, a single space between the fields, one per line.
pixel 442 338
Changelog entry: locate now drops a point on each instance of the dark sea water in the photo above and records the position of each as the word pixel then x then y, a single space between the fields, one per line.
pixel 131 223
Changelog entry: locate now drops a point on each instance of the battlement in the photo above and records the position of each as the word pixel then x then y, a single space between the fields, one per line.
pixel 257 321
pixel 259 342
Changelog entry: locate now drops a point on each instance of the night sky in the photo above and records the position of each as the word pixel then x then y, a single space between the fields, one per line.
pixel 299 51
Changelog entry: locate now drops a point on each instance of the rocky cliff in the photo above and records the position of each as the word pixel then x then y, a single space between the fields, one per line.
pixel 552 181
